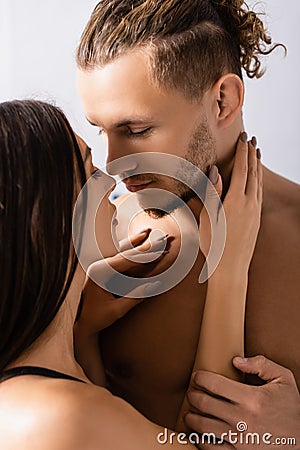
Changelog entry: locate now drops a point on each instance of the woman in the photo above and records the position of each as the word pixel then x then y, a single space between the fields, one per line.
pixel 54 405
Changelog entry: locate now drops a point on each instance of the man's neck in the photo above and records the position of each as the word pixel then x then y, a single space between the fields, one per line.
pixel 225 168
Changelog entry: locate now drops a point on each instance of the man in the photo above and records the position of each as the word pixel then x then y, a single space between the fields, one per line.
pixel 166 77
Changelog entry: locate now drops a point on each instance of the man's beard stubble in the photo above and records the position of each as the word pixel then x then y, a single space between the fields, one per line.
pixel 201 152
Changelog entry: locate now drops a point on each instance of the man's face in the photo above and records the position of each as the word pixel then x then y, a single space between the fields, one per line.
pixel 136 116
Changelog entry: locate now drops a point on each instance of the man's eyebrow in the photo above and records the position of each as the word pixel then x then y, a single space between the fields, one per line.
pixel 133 121
pixel 125 122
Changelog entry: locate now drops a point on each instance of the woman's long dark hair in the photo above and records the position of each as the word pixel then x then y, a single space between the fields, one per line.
pixel 41 173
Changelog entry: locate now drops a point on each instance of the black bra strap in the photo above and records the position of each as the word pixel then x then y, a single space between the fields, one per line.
pixel 32 370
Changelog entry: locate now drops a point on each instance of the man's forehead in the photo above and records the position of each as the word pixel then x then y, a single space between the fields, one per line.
pixel 127 96
pixel 126 68
pixel 121 93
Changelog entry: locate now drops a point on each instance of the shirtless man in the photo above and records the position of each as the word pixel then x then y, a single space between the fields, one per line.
pixel 166 77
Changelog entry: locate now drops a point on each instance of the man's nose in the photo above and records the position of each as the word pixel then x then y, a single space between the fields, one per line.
pixel 119 159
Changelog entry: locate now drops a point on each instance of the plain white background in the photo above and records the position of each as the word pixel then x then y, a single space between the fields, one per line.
pixel 37 46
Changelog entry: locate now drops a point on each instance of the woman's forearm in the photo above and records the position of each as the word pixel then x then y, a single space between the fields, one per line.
pixel 222 328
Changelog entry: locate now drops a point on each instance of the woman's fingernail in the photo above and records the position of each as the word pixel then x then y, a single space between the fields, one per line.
pixel 254 141
pixel 214 175
pixel 152 289
pixel 244 137
pixel 258 152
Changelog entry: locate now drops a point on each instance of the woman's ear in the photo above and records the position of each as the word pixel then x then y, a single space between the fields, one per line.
pixel 228 92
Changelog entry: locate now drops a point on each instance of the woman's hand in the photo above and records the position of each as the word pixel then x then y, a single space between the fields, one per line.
pixel 99 307
pixel 243 203
pixel 242 207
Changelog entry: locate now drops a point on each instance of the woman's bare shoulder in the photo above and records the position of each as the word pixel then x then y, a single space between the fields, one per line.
pixel 42 413
pixel 96 419
pixel 108 422
pixel 104 421
pixel 63 414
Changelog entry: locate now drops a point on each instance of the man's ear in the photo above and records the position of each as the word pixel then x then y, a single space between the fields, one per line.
pixel 228 93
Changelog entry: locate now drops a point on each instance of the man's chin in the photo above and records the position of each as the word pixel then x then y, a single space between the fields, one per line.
pixel 163 207
pixel 156 213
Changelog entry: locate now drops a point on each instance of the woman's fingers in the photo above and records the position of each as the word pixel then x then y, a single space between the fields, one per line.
pixel 252 180
pixel 260 178
pixel 211 204
pixel 133 241
pixel 144 253
pixel 240 169
pixel 135 246
pixel 247 175
pixel 254 187
pixel 102 271
pixel 214 193
pixel 216 180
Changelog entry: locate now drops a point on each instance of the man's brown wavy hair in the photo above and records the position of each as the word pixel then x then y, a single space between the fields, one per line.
pixel 190 43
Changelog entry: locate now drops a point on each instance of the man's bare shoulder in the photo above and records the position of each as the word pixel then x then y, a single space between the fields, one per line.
pixel 273 292
pixel 279 233
pixel 281 195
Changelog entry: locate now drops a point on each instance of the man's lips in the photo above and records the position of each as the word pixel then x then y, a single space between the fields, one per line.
pixel 135 186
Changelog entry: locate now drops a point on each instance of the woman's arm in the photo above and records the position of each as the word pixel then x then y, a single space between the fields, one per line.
pixel 100 308
pixel 222 329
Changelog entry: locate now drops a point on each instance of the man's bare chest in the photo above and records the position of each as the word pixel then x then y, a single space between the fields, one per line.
pixel 272 314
